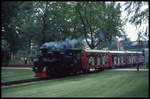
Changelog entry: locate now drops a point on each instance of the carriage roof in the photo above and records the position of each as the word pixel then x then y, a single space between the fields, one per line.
pixel 106 51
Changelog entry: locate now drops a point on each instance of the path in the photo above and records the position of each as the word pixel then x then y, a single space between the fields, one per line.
pixel 17 68
pixel 129 69
pixel 125 69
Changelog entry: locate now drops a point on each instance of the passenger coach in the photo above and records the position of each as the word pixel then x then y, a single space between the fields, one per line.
pixel 100 59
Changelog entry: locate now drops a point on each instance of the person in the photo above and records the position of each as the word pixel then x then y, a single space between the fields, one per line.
pixel 22 59
pixel 137 67
pixel 32 59
pixel 25 60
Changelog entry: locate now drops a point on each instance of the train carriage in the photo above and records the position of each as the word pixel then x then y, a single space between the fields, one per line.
pixel 113 59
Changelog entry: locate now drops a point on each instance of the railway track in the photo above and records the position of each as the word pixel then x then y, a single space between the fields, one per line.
pixel 22 81
pixel 18 82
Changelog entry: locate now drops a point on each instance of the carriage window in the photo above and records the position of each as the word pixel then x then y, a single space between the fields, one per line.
pixel 91 60
pixel 98 60
pixel 103 60
pixel 118 59
pixel 134 58
pixel 129 59
pixel 95 60
pixel 115 60
pixel 122 59
pixel 112 59
pixel 106 59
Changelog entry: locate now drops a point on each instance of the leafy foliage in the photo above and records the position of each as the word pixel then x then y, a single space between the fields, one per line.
pixel 27 23
pixel 138 14
pixel 100 22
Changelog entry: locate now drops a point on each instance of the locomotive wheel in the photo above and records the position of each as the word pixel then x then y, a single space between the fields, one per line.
pixel 98 70
pixel 85 71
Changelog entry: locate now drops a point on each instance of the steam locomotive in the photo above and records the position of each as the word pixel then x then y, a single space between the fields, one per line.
pixel 71 61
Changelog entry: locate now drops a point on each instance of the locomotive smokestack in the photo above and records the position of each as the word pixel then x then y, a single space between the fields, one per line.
pixel 44 49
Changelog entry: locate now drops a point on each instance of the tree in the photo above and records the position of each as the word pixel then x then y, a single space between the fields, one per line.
pixel 58 21
pixel 24 24
pixel 40 22
pixel 126 42
pixel 8 33
pixel 99 21
pixel 138 14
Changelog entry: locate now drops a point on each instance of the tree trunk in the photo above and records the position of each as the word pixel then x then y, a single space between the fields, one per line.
pixel 44 24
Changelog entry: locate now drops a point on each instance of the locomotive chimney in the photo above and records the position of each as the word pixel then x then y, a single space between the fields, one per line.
pixel 44 49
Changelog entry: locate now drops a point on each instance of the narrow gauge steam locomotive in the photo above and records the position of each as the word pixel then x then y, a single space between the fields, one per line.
pixel 68 61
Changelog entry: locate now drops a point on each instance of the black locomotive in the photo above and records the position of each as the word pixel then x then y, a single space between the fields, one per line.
pixel 58 62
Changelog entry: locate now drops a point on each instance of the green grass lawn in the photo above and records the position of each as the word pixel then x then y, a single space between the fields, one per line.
pixel 145 66
pixel 103 84
pixel 16 74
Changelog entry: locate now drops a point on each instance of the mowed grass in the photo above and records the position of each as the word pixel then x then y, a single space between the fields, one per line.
pixel 104 84
pixel 16 74
pixel 145 66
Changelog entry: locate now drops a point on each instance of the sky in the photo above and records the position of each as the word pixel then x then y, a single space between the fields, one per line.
pixel 131 31
pixel 129 28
